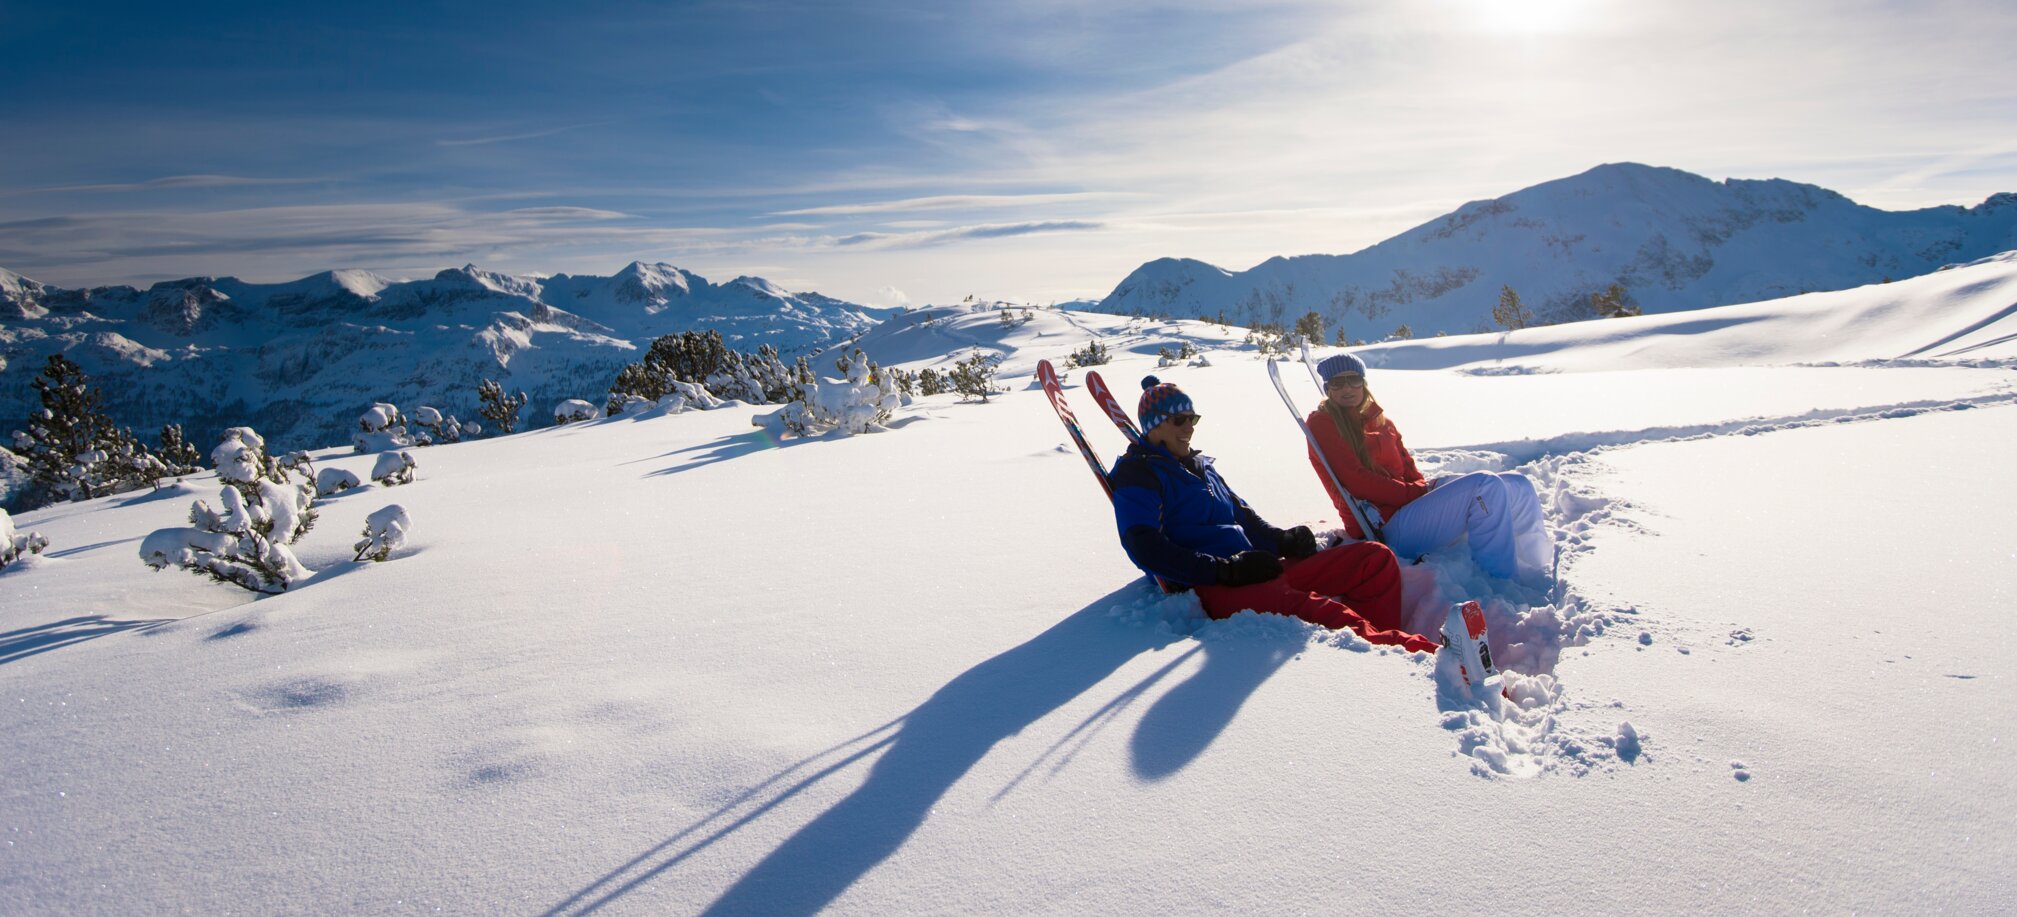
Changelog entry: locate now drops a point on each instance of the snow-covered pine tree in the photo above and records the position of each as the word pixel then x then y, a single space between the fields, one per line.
pixel 379 429
pixel 396 468
pixel 70 450
pixel 858 404
pixel 499 408
pixel 127 460
pixel 16 545
pixel 384 532
pixel 930 382
pixel 429 427
pixel 572 410
pixel 264 511
pixel 1094 354
pixel 177 455
pixel 973 377
pixel 335 481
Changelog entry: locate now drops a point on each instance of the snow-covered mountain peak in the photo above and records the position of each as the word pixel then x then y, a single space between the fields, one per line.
pixel 361 283
pixel 759 286
pixel 507 284
pixel 2000 202
pixel 1672 240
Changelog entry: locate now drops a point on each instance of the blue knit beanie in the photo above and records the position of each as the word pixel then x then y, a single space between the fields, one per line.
pixel 1161 401
pixel 1339 364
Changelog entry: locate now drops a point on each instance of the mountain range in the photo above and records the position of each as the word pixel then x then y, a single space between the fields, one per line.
pixel 1672 239
pixel 300 361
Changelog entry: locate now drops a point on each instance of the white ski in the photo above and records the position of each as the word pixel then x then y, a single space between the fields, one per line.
pixel 1356 505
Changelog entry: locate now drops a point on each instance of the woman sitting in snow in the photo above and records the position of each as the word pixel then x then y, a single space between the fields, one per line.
pixel 1499 512
pixel 1178 520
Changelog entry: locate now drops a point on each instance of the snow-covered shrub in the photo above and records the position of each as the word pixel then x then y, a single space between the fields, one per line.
pixel 624 403
pixel 380 429
pixel 858 404
pixel 393 469
pixel 703 358
pixel 1094 354
pixel 929 382
pixel 574 409
pixel 14 545
pixel 335 481
pixel 430 427
pixel 264 510
pixel 384 532
pixel 973 377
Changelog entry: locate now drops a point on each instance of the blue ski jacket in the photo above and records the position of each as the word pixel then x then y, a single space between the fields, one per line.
pixel 1178 519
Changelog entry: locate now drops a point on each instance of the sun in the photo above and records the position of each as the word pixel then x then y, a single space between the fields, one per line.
pixel 1527 17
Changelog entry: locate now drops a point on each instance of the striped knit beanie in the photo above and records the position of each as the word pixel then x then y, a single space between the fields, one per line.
pixel 1161 401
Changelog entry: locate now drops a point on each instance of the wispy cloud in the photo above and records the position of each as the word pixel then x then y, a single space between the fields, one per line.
pixel 567 214
pixel 952 202
pixel 524 135
pixel 185 181
pixel 944 236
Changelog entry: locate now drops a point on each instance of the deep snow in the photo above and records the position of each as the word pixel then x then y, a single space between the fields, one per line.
pixel 658 665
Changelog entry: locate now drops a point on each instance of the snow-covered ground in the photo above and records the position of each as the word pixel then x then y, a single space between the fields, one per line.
pixel 676 665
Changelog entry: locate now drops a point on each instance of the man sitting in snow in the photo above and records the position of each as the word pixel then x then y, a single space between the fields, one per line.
pixel 1179 521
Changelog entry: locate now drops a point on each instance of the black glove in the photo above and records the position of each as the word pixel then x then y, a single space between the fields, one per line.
pixel 1299 542
pixel 1249 567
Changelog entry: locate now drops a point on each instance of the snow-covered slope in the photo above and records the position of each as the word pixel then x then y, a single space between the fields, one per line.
pixel 302 359
pixel 1674 240
pixel 676 665
pixel 1964 313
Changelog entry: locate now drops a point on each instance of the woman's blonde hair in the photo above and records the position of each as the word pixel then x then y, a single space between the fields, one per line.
pixel 1352 426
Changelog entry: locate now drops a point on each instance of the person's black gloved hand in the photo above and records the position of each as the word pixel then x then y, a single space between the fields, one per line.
pixel 1249 567
pixel 1300 542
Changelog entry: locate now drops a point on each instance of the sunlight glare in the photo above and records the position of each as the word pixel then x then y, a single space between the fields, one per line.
pixel 1528 17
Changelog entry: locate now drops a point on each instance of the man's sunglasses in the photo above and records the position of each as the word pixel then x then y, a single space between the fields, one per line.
pixel 1184 420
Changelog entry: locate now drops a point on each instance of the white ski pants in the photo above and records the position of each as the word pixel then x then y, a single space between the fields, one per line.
pixel 1498 511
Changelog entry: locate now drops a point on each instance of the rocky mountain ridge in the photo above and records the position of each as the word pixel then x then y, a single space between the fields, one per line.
pixel 301 360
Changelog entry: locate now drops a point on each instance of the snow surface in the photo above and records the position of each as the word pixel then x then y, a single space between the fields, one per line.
pixel 667 663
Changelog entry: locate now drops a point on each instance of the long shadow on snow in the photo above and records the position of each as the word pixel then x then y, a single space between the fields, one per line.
pixel 28 641
pixel 932 747
pixel 725 449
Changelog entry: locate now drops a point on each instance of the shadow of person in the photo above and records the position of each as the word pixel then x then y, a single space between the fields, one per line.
pixel 1187 718
pixel 932 747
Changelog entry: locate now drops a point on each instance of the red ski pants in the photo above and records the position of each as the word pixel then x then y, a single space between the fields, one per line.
pixel 1354 585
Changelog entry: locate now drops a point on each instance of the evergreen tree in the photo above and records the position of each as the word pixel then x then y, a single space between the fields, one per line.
pixel 973 377
pixel 70 449
pixel 1614 302
pixel 499 408
pixel 1094 354
pixel 1511 313
pixel 177 455
pixel 244 543
pixel 1311 327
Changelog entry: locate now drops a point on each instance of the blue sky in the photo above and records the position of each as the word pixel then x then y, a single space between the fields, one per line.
pixel 911 153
